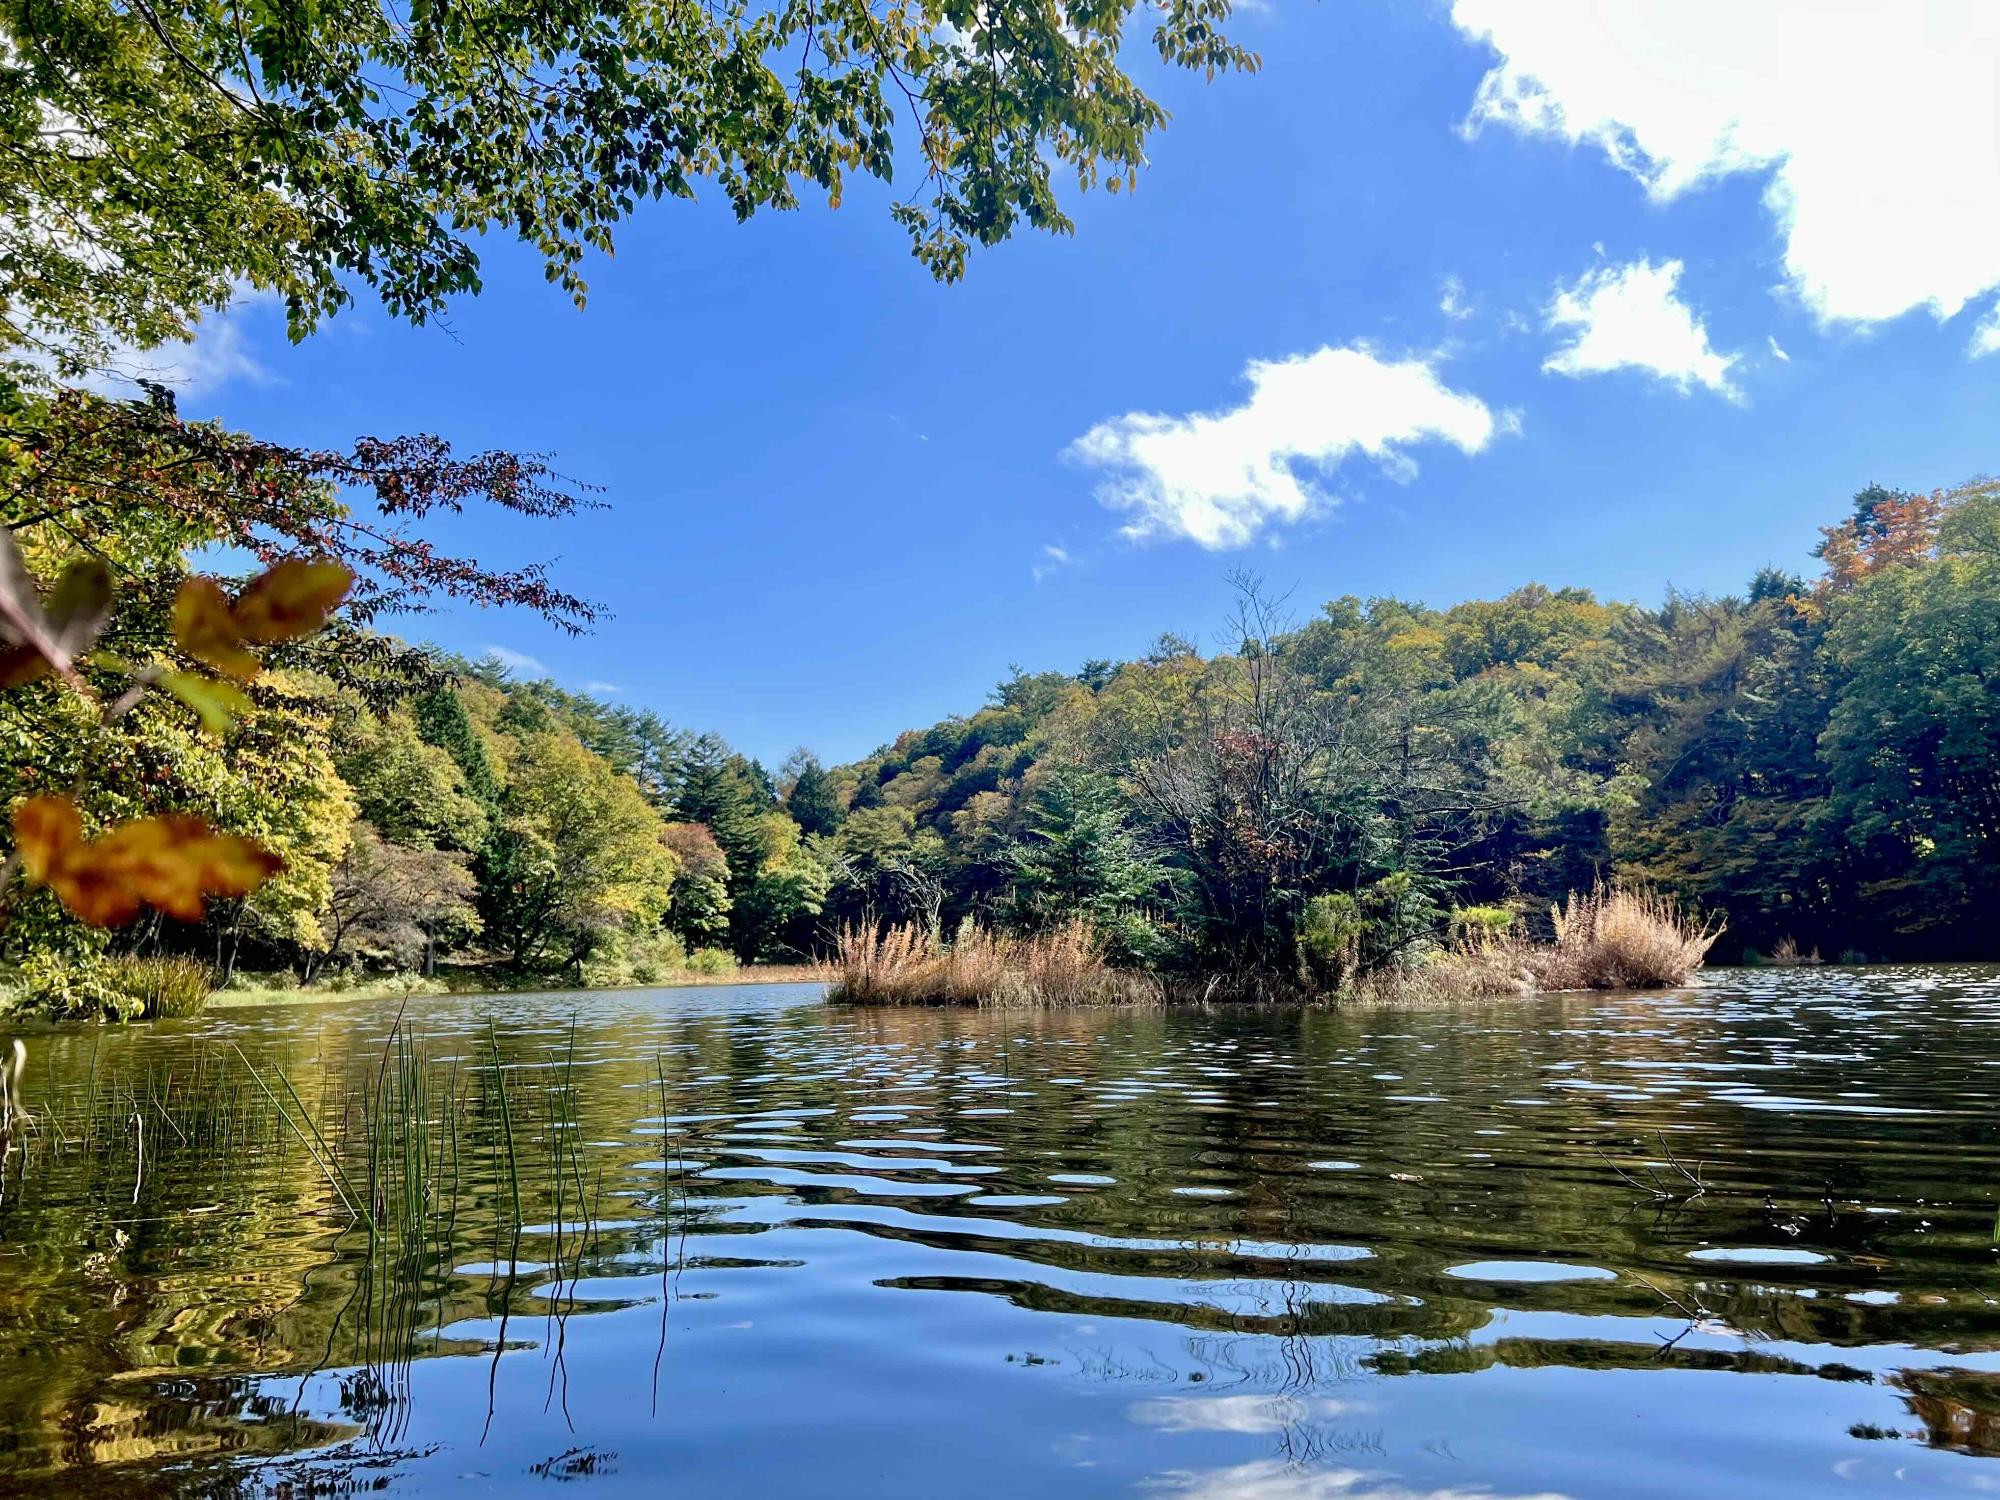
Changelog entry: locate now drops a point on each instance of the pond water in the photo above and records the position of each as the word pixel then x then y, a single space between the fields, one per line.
pixel 1733 1240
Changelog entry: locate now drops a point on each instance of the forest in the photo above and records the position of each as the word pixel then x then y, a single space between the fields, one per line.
pixel 1814 762
pixel 254 773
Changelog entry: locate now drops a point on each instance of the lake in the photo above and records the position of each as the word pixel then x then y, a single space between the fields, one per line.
pixel 1732 1240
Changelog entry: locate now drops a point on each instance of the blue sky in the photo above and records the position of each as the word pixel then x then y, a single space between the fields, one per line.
pixel 1447 300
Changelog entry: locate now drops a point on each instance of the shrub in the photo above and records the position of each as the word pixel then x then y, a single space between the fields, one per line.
pixel 1479 925
pixel 281 979
pixel 118 989
pixel 712 961
pixel 1615 938
pixel 66 988
pixel 1329 938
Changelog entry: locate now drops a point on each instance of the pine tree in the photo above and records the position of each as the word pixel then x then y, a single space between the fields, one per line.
pixel 442 721
pixel 812 802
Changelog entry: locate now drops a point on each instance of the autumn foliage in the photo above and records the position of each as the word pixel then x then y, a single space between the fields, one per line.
pixel 286 603
pixel 173 862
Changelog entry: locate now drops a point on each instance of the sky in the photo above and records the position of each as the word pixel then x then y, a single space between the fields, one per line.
pixel 1448 299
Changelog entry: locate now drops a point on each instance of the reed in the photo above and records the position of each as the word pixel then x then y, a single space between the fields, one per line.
pixel 904 965
pixel 161 986
pixel 1463 974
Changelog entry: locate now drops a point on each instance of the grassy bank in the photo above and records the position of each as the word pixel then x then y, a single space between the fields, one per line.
pixel 272 990
pixel 1606 939
pixel 151 999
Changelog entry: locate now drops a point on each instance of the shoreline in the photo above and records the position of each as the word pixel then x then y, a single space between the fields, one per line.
pixel 754 974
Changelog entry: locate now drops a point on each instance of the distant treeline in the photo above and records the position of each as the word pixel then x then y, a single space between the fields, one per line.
pixel 1817 760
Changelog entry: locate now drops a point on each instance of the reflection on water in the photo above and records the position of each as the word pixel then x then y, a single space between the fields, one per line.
pixel 1737 1240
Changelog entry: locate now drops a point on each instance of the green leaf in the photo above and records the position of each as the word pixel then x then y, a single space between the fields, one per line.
pixel 218 703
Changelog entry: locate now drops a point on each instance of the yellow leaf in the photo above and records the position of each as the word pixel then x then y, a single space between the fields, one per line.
pixel 291 600
pixel 208 631
pixel 218 703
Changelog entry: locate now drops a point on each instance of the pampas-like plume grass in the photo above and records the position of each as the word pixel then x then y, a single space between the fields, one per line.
pixel 1616 938
pixel 904 965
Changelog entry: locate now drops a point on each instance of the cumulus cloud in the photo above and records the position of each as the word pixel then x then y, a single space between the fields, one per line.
pixel 1877 123
pixel 518 662
pixel 1220 479
pixel 1632 318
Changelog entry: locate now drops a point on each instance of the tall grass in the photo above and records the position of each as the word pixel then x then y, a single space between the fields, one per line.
pixel 161 986
pixel 1618 938
pixel 1467 972
pixel 1609 938
pixel 905 965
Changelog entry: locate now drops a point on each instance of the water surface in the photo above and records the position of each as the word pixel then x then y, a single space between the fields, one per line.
pixel 1735 1240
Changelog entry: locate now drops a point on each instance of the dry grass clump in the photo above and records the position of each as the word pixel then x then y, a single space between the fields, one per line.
pixel 1461 975
pixel 1786 955
pixel 1615 938
pixel 905 966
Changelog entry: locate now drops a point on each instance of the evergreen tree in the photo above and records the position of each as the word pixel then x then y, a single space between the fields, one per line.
pixel 1077 856
pixel 442 721
pixel 813 801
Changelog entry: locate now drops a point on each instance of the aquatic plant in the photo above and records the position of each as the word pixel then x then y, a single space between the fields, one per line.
pixel 162 985
pixel 1786 955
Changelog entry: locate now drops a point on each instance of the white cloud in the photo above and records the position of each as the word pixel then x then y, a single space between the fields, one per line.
pixel 1877 122
pixel 219 354
pixel 518 662
pixel 1275 1479
pixel 1051 558
pixel 603 689
pixel 1242 1414
pixel 1221 478
pixel 1630 318
pixel 1778 349
pixel 1451 299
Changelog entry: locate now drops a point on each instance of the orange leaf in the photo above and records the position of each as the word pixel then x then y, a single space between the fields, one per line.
pixel 208 631
pixel 46 831
pixel 95 895
pixel 174 862
pixel 21 665
pixel 291 600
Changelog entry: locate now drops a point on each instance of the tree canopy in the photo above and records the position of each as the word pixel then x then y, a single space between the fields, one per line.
pixel 160 153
